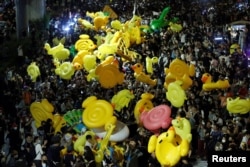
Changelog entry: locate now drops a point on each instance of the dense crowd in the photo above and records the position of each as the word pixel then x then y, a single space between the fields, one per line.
pixel 213 127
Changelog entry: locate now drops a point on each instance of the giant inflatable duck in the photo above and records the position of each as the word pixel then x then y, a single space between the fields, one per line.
pixel 208 85
pixel 168 147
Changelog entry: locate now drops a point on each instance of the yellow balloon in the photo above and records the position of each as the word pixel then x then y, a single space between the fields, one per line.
pixel 149 64
pixel 97 113
pixel 122 99
pixel 33 71
pixel 92 76
pixel 65 70
pixel 167 152
pixel 175 27
pixel 116 24
pixel 41 111
pixel 89 62
pixel 179 70
pixel 62 54
pixel 182 128
pixel 80 142
pixel 175 94
pixel 144 104
pixel 238 106
pixel 58 122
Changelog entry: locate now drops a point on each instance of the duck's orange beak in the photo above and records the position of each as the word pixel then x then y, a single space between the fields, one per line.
pixel 133 67
pixel 171 128
pixel 204 78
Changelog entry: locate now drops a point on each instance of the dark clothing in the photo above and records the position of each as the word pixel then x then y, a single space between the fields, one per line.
pixel 54 155
pixel 69 159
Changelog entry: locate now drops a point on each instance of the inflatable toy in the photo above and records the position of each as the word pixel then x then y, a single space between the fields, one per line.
pixel 41 111
pixel 53 50
pixel 149 64
pixel 208 85
pixel 80 142
pixel 97 113
pixel 175 94
pixel 122 48
pixel 74 119
pixel 58 51
pixel 156 118
pixel 92 76
pixel 182 128
pixel 65 70
pixel 161 22
pixel 56 41
pixel 235 48
pixel 179 70
pixel 89 62
pixel 116 24
pixel 109 46
pixel 33 71
pixel 109 60
pixel 144 104
pixel 238 106
pixel 58 123
pixel 119 134
pixel 62 54
pixel 141 76
pixel 175 27
pixel 100 22
pixel 168 147
pixel 85 43
pixel 99 155
pixel 122 99
pixel 79 58
pixel 109 75
pixel 85 24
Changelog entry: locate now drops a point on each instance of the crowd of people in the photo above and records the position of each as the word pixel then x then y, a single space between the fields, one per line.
pixel 213 127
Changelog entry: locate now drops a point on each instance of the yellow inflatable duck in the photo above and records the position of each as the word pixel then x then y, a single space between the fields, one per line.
pixel 141 76
pixel 182 128
pixel 179 70
pixel 238 106
pixel 144 104
pixel 43 110
pixel 109 75
pixel 85 43
pixel 78 61
pixel 85 24
pixel 58 51
pixel 175 94
pixel 100 22
pixel 122 99
pixel 65 70
pixel 168 147
pixel 208 85
pixel 33 71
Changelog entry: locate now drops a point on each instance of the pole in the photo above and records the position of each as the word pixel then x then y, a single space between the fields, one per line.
pixel 21 18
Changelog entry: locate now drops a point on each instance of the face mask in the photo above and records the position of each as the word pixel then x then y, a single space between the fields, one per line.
pixel 223 140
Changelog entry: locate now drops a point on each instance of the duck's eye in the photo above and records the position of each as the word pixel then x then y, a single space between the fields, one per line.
pixel 166 134
pixel 160 141
pixel 138 65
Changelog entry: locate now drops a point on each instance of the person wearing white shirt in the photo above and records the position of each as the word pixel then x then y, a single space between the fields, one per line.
pixel 39 151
